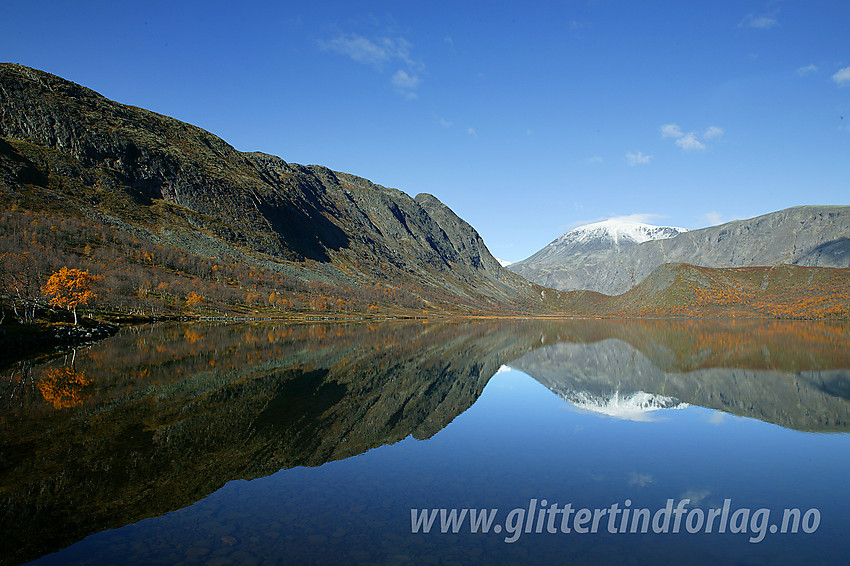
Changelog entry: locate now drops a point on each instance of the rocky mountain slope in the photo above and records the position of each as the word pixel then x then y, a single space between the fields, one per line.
pixel 805 236
pixel 68 150
pixel 175 221
pixel 684 290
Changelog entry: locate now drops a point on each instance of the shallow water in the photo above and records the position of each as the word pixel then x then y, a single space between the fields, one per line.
pixel 252 444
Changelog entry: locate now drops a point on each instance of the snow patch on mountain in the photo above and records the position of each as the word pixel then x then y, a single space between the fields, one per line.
pixel 635 406
pixel 619 231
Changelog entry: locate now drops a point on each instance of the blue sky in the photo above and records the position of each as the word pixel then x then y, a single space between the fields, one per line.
pixel 527 119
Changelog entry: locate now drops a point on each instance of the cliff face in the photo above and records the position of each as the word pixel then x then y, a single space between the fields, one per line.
pixel 129 164
pixel 813 236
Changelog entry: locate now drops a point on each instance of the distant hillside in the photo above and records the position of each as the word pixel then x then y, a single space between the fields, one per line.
pixel 147 201
pixel 682 290
pixel 806 236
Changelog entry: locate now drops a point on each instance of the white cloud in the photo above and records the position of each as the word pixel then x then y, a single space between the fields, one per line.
pixel 576 25
pixel 803 71
pixel 471 131
pixel 713 132
pixel 640 480
pixel 647 218
pixel 357 48
pixel 759 22
pixel 405 81
pixel 713 218
pixel 695 495
pixel 595 159
pixel 446 123
pixel 842 77
pixel 717 418
pixel 671 131
pixel 637 158
pixel 689 142
pixel 642 218
pixel 763 22
pixel 448 39
pixel 378 53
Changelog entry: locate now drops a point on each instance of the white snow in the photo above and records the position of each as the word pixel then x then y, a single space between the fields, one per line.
pixel 503 263
pixel 636 406
pixel 619 230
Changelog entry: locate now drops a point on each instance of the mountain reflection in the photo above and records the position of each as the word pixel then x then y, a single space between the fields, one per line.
pixel 165 415
pixel 158 417
pixel 793 374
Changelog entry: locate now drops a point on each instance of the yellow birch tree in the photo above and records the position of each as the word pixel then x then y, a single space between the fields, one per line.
pixel 69 288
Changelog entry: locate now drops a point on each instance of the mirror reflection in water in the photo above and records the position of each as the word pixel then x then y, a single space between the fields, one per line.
pixel 139 447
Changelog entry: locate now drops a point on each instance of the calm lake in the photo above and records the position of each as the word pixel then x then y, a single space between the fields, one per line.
pixel 582 442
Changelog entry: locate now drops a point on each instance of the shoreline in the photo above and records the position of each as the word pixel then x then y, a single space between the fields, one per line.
pixel 20 342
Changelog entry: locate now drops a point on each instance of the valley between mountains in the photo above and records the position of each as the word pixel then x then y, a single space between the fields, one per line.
pixel 171 221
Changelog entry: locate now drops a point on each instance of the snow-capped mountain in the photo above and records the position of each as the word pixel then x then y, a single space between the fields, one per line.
pixel 609 236
pixel 612 257
pixel 615 232
pixel 635 406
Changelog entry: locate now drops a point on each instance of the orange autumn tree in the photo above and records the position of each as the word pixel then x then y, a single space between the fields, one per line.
pixel 193 299
pixel 70 288
pixel 63 387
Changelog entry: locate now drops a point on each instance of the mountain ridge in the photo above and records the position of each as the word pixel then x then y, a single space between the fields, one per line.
pixel 813 236
pixel 603 237
pixel 174 221
pixel 169 182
